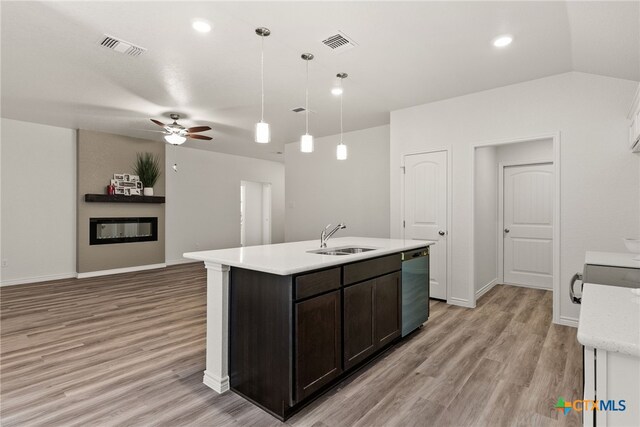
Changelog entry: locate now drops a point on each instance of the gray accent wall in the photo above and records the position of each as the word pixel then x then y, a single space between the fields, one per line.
pixel 99 156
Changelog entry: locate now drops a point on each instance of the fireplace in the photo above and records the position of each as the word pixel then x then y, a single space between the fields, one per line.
pixel 106 231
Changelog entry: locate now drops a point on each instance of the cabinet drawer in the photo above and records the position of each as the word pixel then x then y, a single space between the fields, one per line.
pixel 364 270
pixel 312 284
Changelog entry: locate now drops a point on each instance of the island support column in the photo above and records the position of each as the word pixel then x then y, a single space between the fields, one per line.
pixel 216 374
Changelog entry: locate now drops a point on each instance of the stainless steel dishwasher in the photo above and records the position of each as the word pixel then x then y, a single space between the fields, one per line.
pixel 415 289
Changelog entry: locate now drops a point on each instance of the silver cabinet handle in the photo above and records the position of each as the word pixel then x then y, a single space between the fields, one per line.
pixel 572 294
pixel 442 233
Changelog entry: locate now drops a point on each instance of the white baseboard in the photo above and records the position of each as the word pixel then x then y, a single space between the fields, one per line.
pixel 568 321
pixel 120 270
pixel 181 261
pixel 486 288
pixel 37 279
pixel 218 384
pixel 460 302
pixel 542 288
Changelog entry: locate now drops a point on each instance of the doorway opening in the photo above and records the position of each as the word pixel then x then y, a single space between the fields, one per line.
pixel 516 216
pixel 255 213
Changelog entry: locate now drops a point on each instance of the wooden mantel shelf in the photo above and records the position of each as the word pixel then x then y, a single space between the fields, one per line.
pixel 119 198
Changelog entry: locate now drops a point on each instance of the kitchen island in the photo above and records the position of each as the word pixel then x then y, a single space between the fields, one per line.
pixel 285 322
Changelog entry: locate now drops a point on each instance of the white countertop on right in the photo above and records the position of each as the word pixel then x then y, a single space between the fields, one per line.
pixel 614 259
pixel 610 319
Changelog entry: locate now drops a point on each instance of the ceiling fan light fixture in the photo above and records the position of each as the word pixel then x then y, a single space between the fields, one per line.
pixel 263 133
pixel 306 143
pixel 175 139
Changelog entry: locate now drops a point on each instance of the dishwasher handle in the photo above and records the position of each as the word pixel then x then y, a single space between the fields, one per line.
pixel 572 294
pixel 407 256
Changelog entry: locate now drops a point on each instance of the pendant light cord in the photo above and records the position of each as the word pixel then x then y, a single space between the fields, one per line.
pixel 306 102
pixel 341 96
pixel 262 77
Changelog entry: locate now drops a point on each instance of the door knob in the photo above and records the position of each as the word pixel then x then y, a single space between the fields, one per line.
pixel 442 233
pixel 506 230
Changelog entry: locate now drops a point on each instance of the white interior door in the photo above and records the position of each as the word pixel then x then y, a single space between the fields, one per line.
pixel 528 225
pixel 425 211
pixel 255 213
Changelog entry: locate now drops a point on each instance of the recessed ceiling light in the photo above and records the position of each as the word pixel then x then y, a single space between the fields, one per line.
pixel 502 41
pixel 201 26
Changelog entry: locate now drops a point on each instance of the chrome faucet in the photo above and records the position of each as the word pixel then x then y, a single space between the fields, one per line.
pixel 324 236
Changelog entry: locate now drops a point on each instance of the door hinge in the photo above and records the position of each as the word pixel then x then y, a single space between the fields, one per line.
pixel 403 224
pixel 403 169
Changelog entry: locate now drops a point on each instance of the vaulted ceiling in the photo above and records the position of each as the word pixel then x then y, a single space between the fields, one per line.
pixel 408 53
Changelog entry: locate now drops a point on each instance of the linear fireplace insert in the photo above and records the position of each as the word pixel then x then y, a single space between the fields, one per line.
pixel 105 231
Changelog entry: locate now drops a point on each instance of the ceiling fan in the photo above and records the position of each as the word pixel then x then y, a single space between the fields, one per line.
pixel 177 134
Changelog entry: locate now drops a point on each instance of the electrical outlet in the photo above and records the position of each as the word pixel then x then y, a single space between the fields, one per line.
pixel 5 263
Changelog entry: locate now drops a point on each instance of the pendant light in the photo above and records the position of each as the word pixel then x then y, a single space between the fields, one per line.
pixel 263 133
pixel 306 140
pixel 341 149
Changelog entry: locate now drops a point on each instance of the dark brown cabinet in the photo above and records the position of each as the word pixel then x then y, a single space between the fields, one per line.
pixel 371 317
pixel 359 338
pixel 388 321
pixel 292 336
pixel 318 343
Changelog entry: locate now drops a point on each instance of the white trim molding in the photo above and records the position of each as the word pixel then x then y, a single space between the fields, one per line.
pixel 486 288
pixel 216 374
pixel 461 302
pixel 568 321
pixel 180 261
pixel 120 270
pixel 38 279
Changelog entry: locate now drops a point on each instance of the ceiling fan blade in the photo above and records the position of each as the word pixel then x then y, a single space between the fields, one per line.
pixel 206 138
pixel 149 130
pixel 198 129
pixel 158 123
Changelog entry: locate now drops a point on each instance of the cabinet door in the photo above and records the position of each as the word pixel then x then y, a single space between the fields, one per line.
pixel 387 320
pixel 359 338
pixel 318 347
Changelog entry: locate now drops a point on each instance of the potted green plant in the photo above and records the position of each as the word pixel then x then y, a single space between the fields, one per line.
pixel 147 167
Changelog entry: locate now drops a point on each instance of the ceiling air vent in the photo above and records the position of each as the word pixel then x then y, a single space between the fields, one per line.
pixel 339 42
pixel 121 46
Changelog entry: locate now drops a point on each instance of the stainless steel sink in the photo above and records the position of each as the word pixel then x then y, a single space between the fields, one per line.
pixel 329 252
pixel 355 250
pixel 348 250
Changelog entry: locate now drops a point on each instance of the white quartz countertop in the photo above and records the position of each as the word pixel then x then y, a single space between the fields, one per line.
pixel 291 258
pixel 610 319
pixel 614 259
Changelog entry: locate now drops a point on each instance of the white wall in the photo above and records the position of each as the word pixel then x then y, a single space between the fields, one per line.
pixel 38 229
pixel 600 189
pixel 526 152
pixel 322 190
pixel 203 199
pixel 486 218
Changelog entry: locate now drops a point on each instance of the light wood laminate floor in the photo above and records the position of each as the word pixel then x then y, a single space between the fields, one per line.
pixel 129 350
